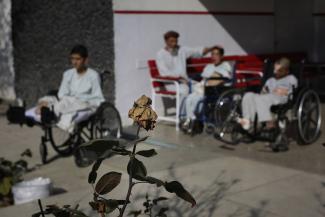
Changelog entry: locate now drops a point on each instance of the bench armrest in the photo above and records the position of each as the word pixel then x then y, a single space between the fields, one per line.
pixel 172 81
pixel 167 78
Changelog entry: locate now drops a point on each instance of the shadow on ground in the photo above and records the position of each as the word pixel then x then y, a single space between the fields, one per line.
pixel 211 200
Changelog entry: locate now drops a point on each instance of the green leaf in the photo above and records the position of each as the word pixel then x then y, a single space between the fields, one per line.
pixel 121 151
pixel 5 185
pixel 147 153
pixel 162 211
pixel 92 177
pixel 21 164
pixel 135 213
pixel 155 201
pixel 93 173
pixel 108 182
pixel 111 205
pixel 138 169
pixel 27 153
pixel 179 190
pixel 99 148
pixel 153 180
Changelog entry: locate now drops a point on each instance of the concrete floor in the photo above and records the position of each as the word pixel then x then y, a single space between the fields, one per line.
pixel 247 180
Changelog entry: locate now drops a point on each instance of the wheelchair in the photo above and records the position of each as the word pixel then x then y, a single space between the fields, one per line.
pixel 205 120
pixel 299 119
pixel 105 122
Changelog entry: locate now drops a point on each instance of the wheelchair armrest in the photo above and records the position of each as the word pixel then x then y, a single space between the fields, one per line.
pixel 226 80
pixel 165 78
pixel 281 108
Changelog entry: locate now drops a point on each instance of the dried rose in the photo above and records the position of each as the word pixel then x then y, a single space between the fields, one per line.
pixel 143 114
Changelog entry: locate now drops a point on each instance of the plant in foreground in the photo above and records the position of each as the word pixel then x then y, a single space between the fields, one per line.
pixel 10 174
pixel 144 117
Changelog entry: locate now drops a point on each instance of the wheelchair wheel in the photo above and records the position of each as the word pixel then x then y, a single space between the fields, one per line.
pixel 227 109
pixel 107 122
pixel 62 141
pixel 309 117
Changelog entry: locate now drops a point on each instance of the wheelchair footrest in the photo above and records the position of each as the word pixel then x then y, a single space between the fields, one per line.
pixel 16 115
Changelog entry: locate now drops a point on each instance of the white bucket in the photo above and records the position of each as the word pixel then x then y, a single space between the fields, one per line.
pixel 30 190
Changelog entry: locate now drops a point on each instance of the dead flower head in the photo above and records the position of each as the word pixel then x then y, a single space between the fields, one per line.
pixel 143 114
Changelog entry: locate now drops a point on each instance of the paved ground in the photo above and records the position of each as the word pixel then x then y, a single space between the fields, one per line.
pixel 247 180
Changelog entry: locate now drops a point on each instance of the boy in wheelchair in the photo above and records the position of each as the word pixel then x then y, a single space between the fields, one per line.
pixel 78 97
pixel 275 91
pixel 215 75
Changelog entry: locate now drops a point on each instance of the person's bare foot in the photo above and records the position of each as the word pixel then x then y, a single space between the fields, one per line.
pixel 245 123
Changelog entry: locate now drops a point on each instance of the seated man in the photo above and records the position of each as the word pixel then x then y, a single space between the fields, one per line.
pixel 79 91
pixel 218 68
pixel 171 60
pixel 274 92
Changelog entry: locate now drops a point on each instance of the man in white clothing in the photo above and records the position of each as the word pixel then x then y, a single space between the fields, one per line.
pixel 79 90
pixel 171 60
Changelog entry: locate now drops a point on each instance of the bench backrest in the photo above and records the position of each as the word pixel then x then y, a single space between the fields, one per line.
pixel 248 69
pixel 154 73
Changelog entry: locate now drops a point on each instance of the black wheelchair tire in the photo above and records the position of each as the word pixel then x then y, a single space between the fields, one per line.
pixel 222 122
pixel 107 117
pixel 309 137
pixel 64 149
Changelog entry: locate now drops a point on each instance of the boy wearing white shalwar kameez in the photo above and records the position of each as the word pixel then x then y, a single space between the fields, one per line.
pixel 79 91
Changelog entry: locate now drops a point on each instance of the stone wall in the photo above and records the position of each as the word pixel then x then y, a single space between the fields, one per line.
pixel 45 31
pixel 6 59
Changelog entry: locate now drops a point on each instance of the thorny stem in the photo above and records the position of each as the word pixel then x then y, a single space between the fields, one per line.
pixel 41 207
pixel 131 184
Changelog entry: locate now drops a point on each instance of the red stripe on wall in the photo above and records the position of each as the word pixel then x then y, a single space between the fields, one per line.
pixel 229 13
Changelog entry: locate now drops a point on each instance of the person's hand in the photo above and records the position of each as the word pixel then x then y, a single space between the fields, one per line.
pixel 280 91
pixel 184 80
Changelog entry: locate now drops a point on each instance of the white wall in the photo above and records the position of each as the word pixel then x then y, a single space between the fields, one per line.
pixel 138 37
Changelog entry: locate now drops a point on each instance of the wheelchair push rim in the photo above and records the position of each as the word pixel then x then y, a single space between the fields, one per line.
pixel 61 141
pixel 226 110
pixel 107 123
pixel 309 117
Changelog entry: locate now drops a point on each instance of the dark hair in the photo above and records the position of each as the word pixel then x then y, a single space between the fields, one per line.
pixel 80 49
pixel 220 49
pixel 171 34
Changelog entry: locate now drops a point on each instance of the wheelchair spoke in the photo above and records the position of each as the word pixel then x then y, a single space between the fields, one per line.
pixel 311 108
pixel 314 122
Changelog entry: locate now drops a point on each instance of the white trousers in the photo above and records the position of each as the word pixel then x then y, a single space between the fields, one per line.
pixel 69 109
pixel 191 103
pixel 260 104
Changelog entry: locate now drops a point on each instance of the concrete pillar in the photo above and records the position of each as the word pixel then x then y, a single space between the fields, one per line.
pixel 7 74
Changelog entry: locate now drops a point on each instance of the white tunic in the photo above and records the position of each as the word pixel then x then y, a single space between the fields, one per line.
pixel 85 87
pixel 224 69
pixel 288 82
pixel 175 66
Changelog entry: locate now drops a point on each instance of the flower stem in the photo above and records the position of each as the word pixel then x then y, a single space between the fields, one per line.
pixel 41 207
pixel 131 184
